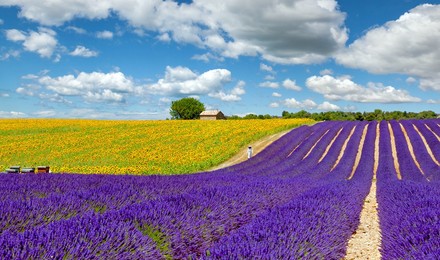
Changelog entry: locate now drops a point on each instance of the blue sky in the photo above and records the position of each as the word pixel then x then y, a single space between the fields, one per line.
pixel 114 59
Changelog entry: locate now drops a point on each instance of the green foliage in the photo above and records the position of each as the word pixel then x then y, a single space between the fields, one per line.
pixel 252 116
pixel 186 108
pixel 377 114
pixel 158 237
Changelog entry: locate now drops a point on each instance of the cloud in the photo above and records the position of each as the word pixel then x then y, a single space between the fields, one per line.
pixel 25 91
pixel 104 96
pixel 58 12
pixel 327 106
pixel 207 57
pixel 411 80
pixel 92 87
pixel 433 101
pixel 269 77
pixel 343 88
pixel 265 67
pixel 326 72
pixel 82 51
pixel 291 84
pixel 408 45
pixel 15 35
pixel 1 22
pixel 4 95
pixel 430 83
pixel 293 103
pixel 234 95
pixel 104 35
pixel 165 100
pixel 11 114
pixel 269 84
pixel 54 98
pixel 183 81
pixel 10 54
pixel 273 29
pixel 274 105
pixel 42 42
pixel 308 104
pixel 76 29
pixel 45 113
pixel 164 37
pixel 276 94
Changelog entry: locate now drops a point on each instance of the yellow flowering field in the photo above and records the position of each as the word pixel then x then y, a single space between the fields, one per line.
pixel 129 147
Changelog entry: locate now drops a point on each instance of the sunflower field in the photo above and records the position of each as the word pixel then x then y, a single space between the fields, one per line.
pixel 129 147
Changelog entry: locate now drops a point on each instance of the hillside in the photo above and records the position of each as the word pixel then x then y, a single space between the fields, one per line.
pixel 306 196
pixel 129 147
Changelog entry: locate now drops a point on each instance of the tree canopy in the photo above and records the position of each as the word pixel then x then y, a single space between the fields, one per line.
pixel 186 108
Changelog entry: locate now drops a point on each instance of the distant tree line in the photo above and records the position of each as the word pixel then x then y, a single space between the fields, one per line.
pixel 252 116
pixel 377 114
pixel 190 108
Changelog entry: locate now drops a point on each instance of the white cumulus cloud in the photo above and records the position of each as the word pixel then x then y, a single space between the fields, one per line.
pixel 183 81
pixel 408 45
pixel 265 67
pixel 42 41
pixel 234 95
pixel 106 96
pixel 15 35
pixel 269 84
pixel 291 84
pixel 82 51
pixel 104 35
pixel 273 29
pixel 93 87
pixel 305 104
pixel 327 106
pixel 12 114
pixel 274 105
pixel 343 88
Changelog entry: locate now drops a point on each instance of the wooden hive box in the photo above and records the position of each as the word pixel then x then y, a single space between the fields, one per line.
pixel 28 170
pixel 43 169
pixel 13 169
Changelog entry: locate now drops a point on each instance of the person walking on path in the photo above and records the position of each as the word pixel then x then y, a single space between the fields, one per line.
pixel 249 152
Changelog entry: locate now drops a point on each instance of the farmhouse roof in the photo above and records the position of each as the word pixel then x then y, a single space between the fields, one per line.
pixel 210 113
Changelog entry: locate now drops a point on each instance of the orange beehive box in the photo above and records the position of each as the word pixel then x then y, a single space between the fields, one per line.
pixel 43 169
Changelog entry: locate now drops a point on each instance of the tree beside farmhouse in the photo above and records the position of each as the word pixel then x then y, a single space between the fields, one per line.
pixel 186 108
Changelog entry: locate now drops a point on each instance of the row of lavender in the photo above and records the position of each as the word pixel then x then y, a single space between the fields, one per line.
pixel 409 209
pixel 278 204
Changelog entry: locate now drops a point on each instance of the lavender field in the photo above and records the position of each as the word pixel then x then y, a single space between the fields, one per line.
pixel 300 198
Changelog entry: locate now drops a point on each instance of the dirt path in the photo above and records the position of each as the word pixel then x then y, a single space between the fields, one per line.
pixel 394 152
pixel 330 145
pixel 257 147
pixel 365 242
pixel 438 137
pixel 427 146
pixel 411 149
pixel 359 152
pixel 341 153
pixel 313 147
pixel 376 152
